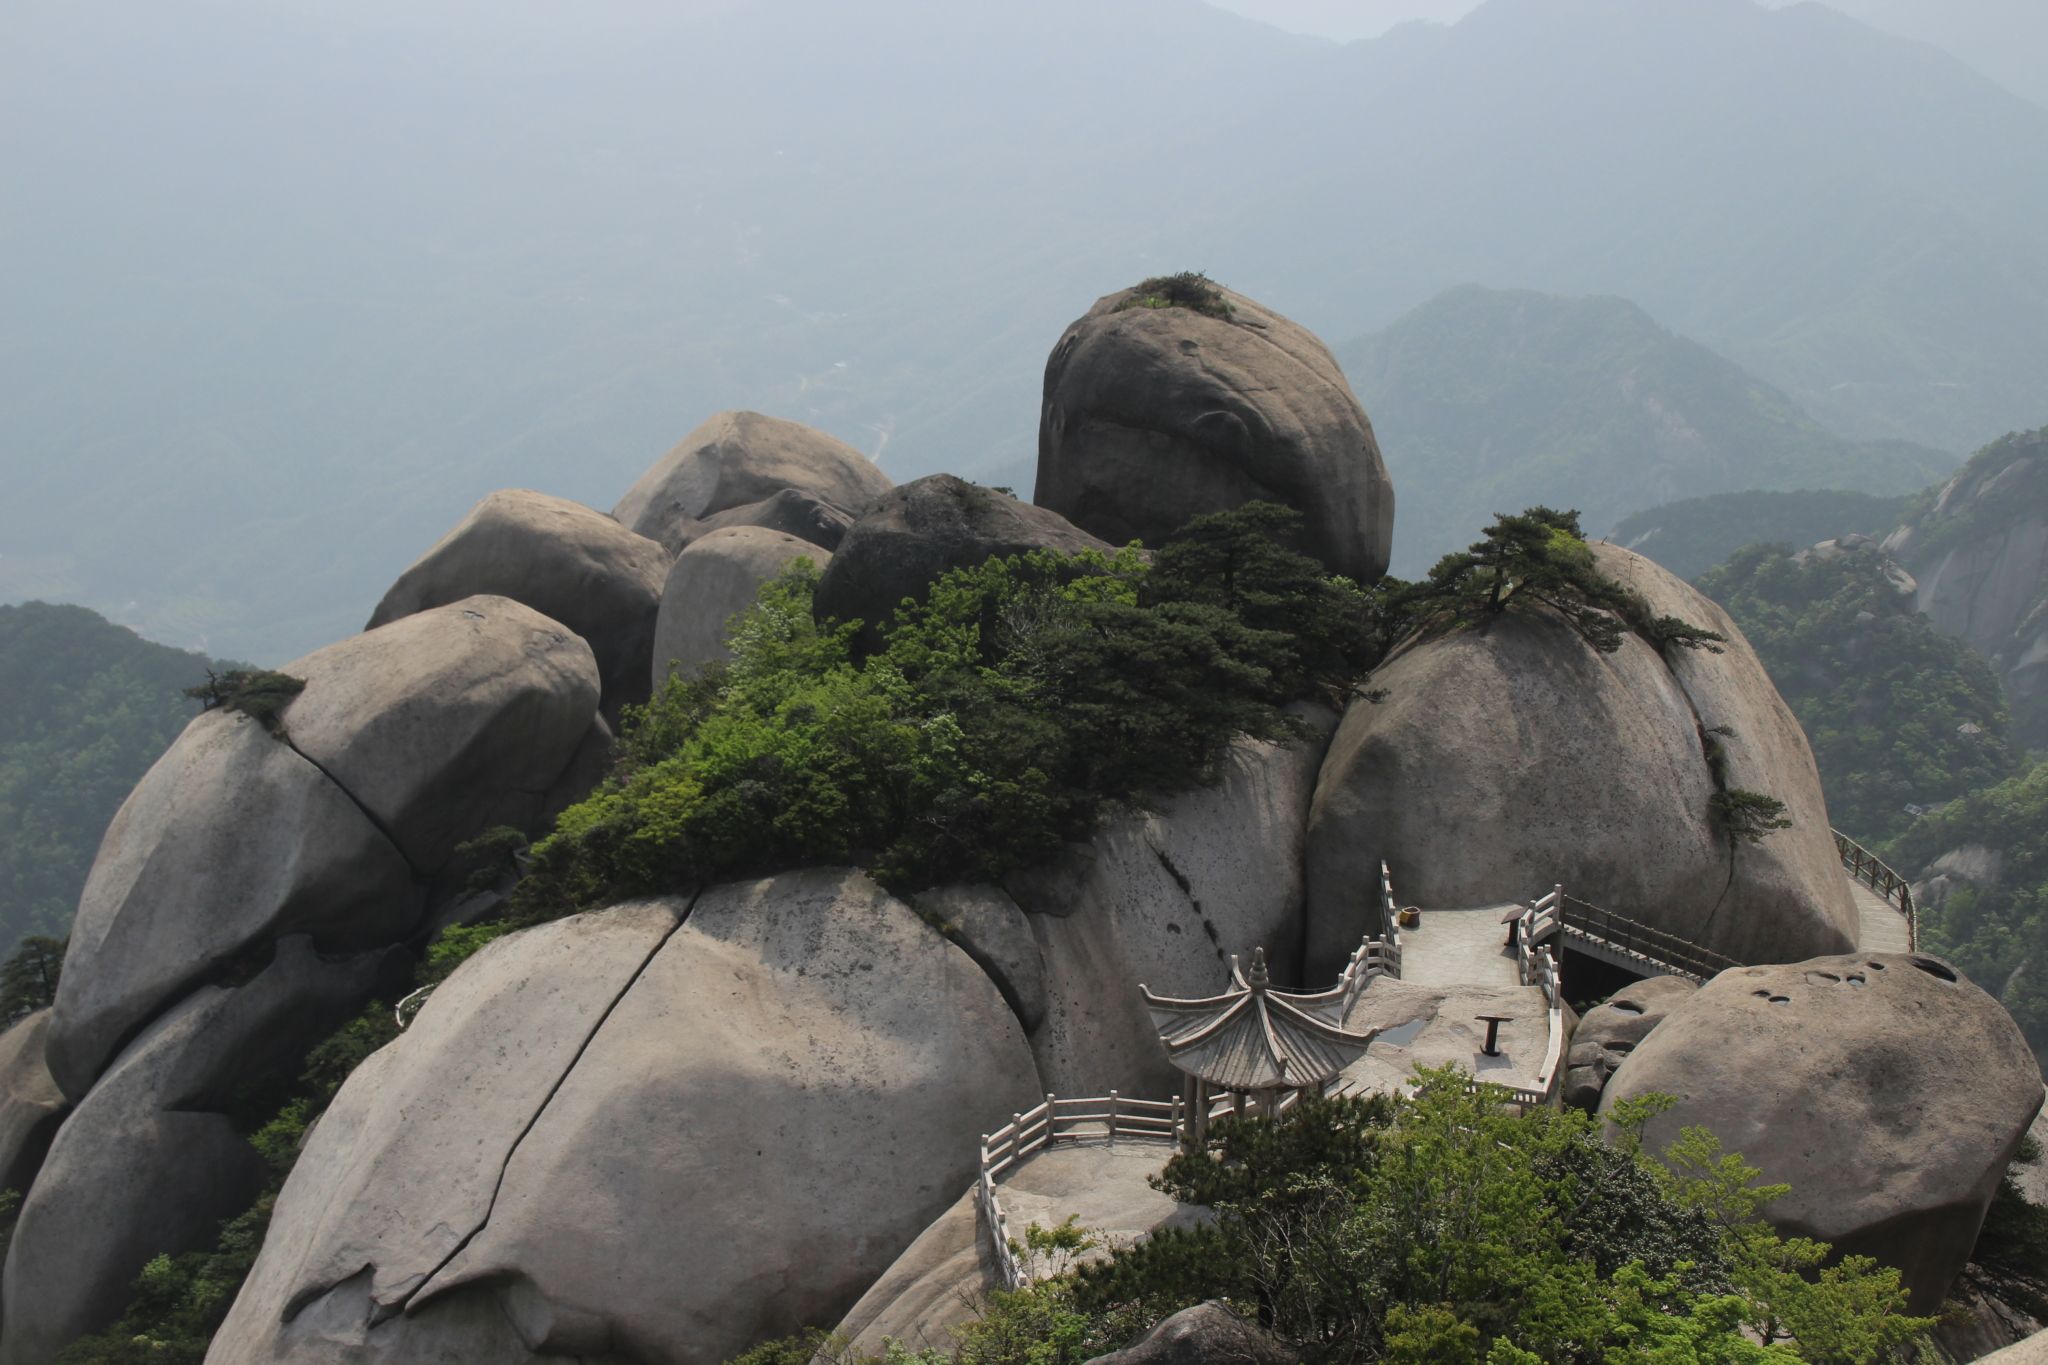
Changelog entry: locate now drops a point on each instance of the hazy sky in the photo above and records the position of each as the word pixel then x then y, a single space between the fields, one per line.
pixel 2005 39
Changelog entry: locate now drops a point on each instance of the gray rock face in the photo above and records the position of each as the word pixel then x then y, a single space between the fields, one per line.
pixel 2032 1351
pixel 231 840
pixel 1164 900
pixel 807 1026
pixel 997 935
pixel 741 460
pixel 1153 416
pixel 793 512
pixel 1509 758
pixel 438 723
pixel 1610 1031
pixel 714 579
pixel 567 562
pixel 149 1163
pixel 920 530
pixel 1887 1091
pixel 31 1105
pixel 1207 1334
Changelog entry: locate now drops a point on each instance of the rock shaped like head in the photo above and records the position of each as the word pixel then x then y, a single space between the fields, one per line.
pixel 1177 397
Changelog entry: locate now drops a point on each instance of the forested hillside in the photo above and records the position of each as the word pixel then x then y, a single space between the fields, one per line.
pixel 90 705
pixel 1898 714
pixel 1693 535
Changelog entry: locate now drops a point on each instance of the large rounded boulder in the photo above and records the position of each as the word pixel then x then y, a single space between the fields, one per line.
pixel 567 562
pixel 1156 414
pixel 407 741
pixel 666 1131
pixel 736 469
pixel 1610 1030
pixel 1890 1093
pixel 1505 758
pixel 922 529
pixel 714 579
pixel 31 1105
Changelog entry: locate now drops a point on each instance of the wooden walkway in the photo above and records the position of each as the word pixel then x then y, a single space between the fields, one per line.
pixel 1880 926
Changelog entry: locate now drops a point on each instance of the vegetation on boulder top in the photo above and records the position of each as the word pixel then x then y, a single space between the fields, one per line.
pixel 261 694
pixel 1000 719
pixel 1188 289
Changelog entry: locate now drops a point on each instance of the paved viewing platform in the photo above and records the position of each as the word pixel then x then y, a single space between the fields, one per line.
pixel 1460 948
pixel 1880 926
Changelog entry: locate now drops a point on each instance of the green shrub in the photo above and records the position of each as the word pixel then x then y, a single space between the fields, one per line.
pixel 261 694
pixel 28 979
pixel 1008 714
pixel 1188 289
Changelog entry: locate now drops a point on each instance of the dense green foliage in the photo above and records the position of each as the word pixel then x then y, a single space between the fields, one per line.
pixel 1997 933
pixel 1897 714
pixel 90 705
pixel 1693 535
pixel 1003 717
pixel 1188 289
pixel 1446 1229
pixel 1484 399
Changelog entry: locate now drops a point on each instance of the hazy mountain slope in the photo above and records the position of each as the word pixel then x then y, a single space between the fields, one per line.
pixel 316 281
pixel 1488 401
pixel 89 707
pixel 1693 535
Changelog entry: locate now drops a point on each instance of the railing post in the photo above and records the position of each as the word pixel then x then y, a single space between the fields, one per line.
pixel 1112 1118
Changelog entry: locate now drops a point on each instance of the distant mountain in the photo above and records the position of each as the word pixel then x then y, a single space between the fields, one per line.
pixel 89 706
pixel 1487 401
pixel 1693 535
pixel 346 274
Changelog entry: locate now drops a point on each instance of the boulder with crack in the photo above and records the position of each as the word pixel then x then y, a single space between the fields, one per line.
pixel 714 579
pixel 665 1130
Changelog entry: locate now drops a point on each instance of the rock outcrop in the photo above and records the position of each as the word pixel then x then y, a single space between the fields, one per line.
pixel 31 1105
pixel 716 577
pixel 1165 900
pixel 567 562
pixel 152 1161
pixel 667 1130
pixel 406 741
pixel 1207 1334
pixel 1152 416
pixel 922 529
pixel 1889 1092
pixel 1611 1030
pixel 1980 555
pixel 737 463
pixel 1506 758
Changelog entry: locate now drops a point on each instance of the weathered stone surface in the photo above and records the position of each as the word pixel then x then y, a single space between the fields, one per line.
pixel 567 562
pixel 1611 1030
pixel 793 512
pixel 739 459
pixel 150 1162
pixel 1152 416
pixel 403 1165
pixel 1164 900
pixel 808 1026
pixel 945 1276
pixel 432 722
pixel 31 1105
pixel 2032 1351
pixel 1887 1091
pixel 1509 758
pixel 713 580
pixel 987 923
pixel 1207 1334
pixel 920 530
pixel 232 840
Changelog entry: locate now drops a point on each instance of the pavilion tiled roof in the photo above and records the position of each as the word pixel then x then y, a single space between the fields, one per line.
pixel 1253 1037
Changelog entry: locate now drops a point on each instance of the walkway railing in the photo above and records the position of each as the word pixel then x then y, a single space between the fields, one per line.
pixel 1868 868
pixel 1629 939
pixel 1374 956
pixel 1537 966
pixel 1096 1118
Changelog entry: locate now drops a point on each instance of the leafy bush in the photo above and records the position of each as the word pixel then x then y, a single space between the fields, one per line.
pixel 1188 289
pixel 1010 712
pixel 261 694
